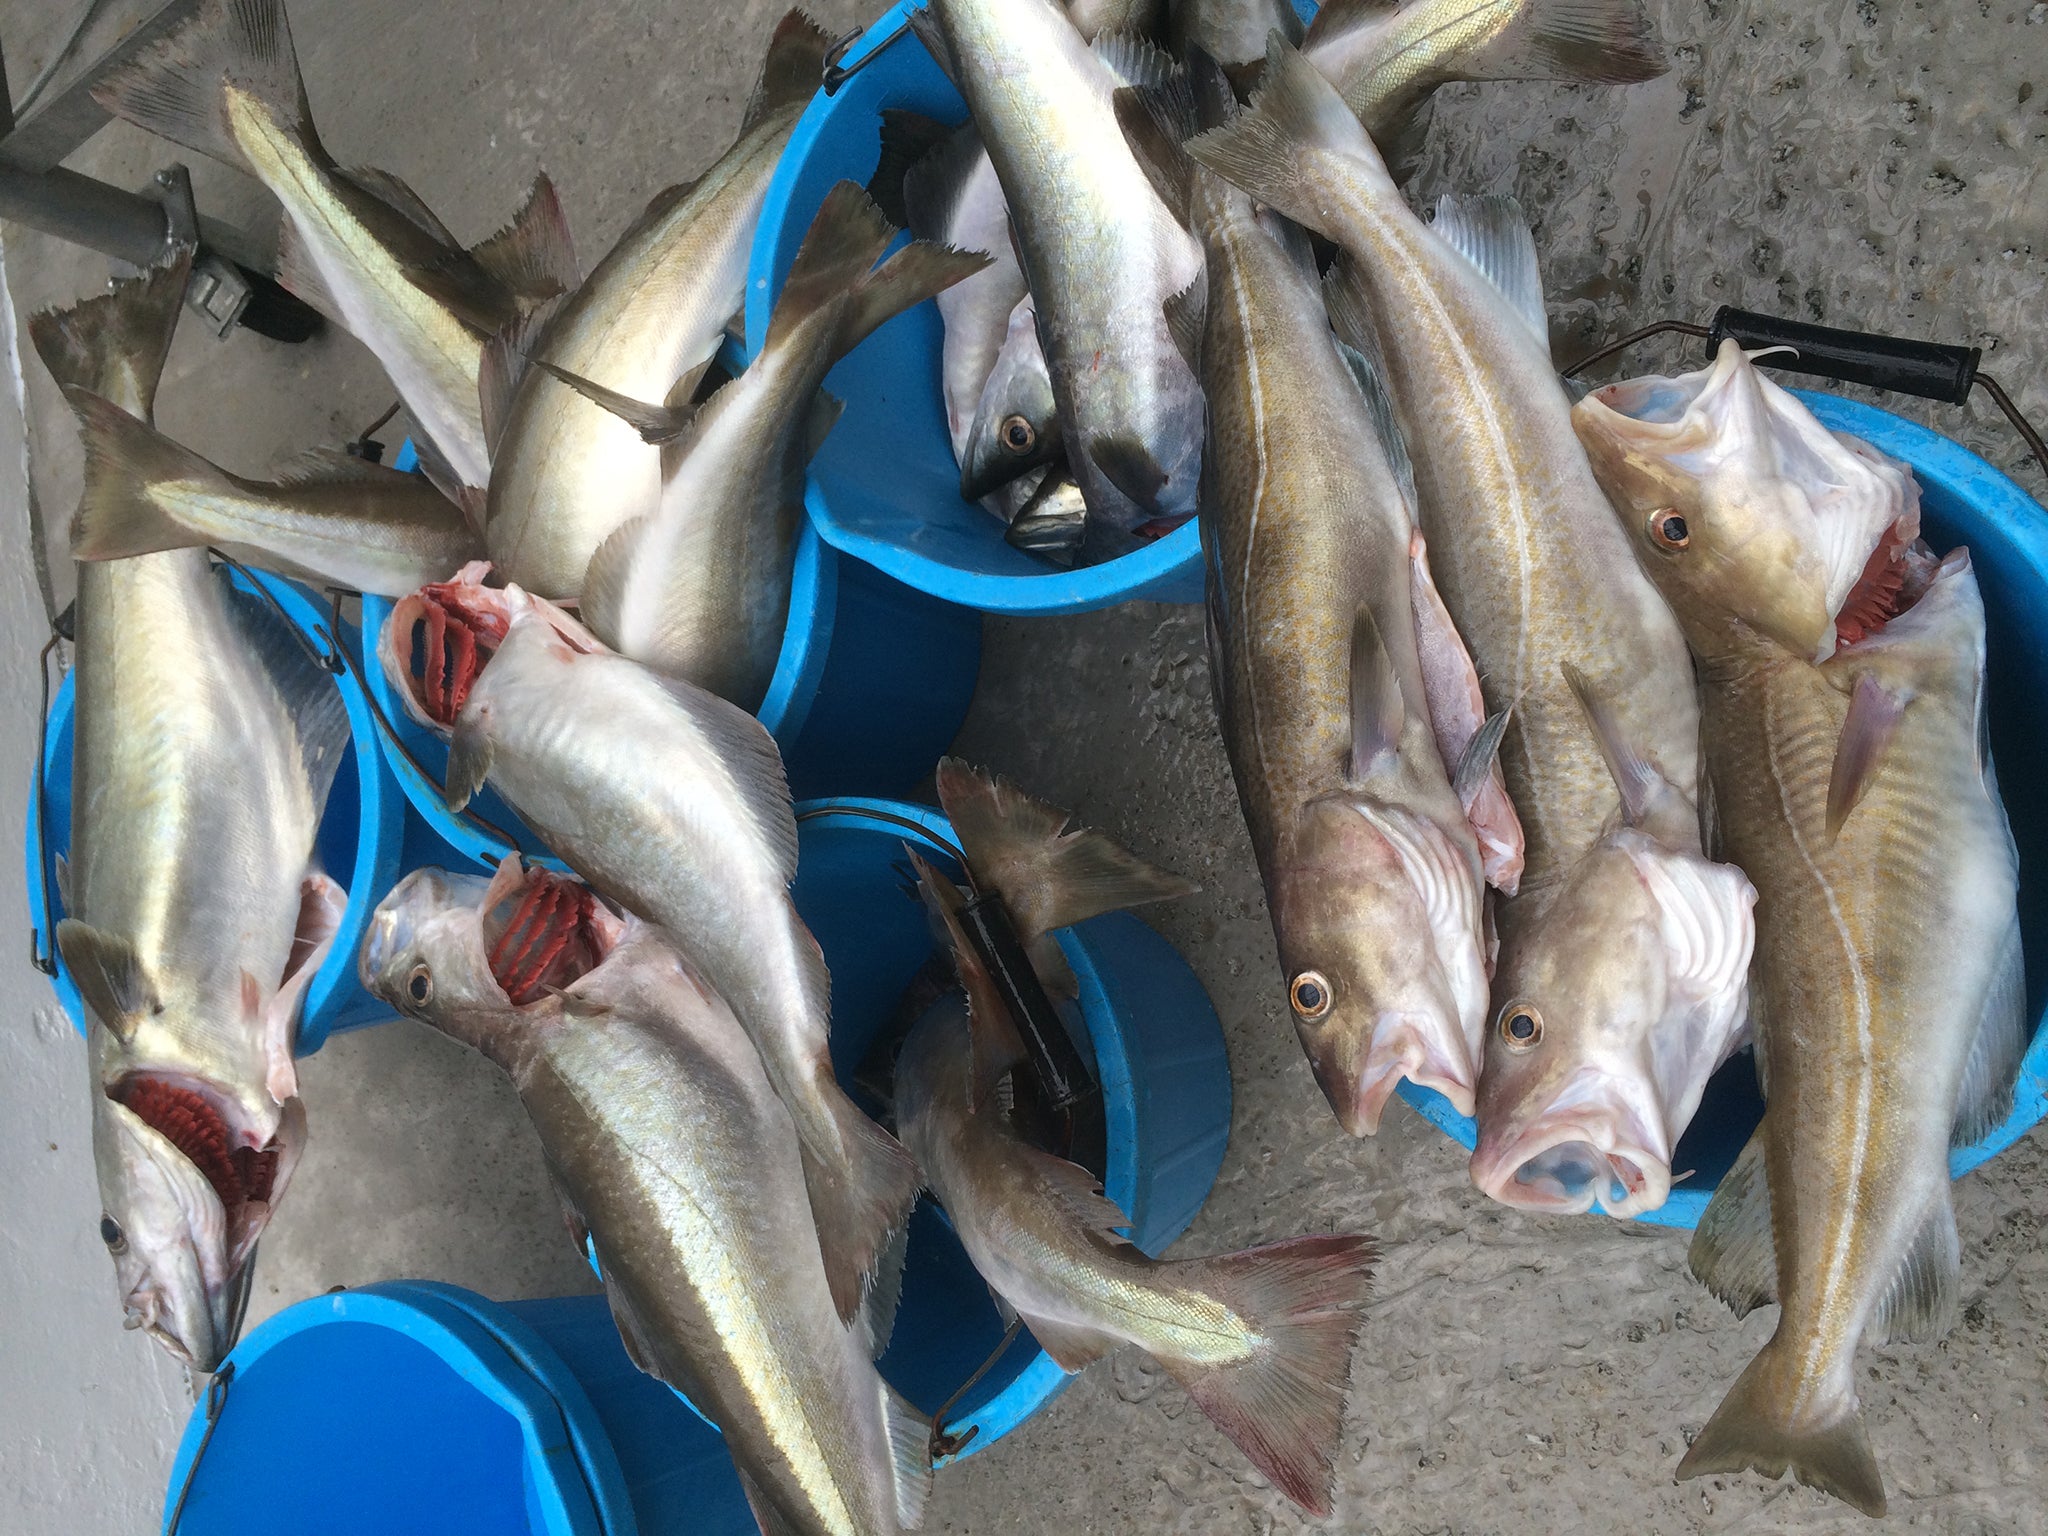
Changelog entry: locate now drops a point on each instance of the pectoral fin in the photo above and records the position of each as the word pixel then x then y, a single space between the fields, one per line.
pixel 109 975
pixel 1378 711
pixel 1867 732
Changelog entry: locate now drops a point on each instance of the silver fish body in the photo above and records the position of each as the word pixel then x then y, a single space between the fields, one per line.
pixel 672 803
pixel 566 472
pixel 671 1150
pixel 1101 252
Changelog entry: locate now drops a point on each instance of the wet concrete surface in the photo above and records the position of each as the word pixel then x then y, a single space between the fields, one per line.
pixel 1872 163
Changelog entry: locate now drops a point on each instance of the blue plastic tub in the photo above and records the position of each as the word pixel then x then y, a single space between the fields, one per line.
pixel 411 1406
pixel 871 686
pixel 363 837
pixel 1963 501
pixel 885 487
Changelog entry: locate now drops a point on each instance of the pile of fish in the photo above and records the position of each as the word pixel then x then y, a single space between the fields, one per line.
pixel 1580 745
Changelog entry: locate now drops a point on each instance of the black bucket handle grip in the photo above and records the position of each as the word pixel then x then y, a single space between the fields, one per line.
pixel 1923 368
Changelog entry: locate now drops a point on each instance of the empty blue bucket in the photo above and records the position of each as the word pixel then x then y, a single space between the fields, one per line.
pixel 362 837
pixel 871 686
pixel 1963 501
pixel 885 487
pixel 411 1406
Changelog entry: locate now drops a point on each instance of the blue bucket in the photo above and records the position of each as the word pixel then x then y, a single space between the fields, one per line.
pixel 361 839
pixel 413 1406
pixel 885 487
pixel 871 686
pixel 1963 501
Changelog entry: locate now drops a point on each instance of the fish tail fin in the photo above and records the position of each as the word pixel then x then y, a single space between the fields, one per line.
pixel 124 461
pixel 114 343
pixel 792 70
pixel 910 1456
pixel 1048 875
pixel 1829 1450
pixel 1611 42
pixel 837 262
pixel 1283 1405
pixel 178 86
pixel 1278 148
pixel 859 1197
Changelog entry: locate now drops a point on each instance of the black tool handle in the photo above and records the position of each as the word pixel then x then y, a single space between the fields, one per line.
pixel 1062 1075
pixel 1854 357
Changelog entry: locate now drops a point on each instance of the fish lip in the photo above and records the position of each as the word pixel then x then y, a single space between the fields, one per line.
pixel 1496 1170
pixel 1400 1051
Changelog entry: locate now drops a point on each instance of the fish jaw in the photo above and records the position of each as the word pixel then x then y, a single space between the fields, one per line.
pixel 1779 518
pixel 1619 1004
pixel 1377 917
pixel 182 1235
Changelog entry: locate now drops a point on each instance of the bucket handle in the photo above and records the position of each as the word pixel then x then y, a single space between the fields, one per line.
pixel 1923 368
pixel 216 1400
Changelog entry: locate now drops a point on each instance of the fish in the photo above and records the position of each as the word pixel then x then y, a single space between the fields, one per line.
pixel 1115 18
pixel 678 1165
pixel 1015 427
pixel 1260 1339
pixel 1843 676
pixel 1514 517
pixel 699 587
pixel 1323 634
pixel 1230 31
pixel 951 197
pixel 1387 61
pixel 646 323
pixel 1053 521
pixel 331 519
pixel 360 246
pixel 204 743
pixel 671 803
pixel 1101 251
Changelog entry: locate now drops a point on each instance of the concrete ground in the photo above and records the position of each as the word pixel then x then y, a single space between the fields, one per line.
pixel 1872 162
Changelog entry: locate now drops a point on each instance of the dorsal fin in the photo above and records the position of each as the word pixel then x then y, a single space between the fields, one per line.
pixel 331 466
pixel 533 255
pixel 1334 18
pixel 994 1047
pixel 1733 1253
pixel 1156 120
pixel 507 355
pixel 1186 314
pixel 793 69
pixel 1133 58
pixel 921 151
pixel 1492 233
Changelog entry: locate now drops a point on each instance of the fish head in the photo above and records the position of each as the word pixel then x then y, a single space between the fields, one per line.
pixel 1377 913
pixel 1617 1005
pixel 187 1183
pixel 463 953
pixel 1744 510
pixel 1016 425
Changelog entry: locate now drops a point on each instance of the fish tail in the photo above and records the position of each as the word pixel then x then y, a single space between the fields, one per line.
pixel 837 261
pixel 1278 147
pixel 1753 1428
pixel 178 86
pixel 1283 1405
pixel 114 344
pixel 1049 874
pixel 125 462
pixel 859 1197
pixel 792 70
pixel 1608 41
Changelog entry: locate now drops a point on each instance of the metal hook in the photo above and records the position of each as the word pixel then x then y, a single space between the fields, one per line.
pixel 329 660
pixel 837 74
pixel 945 1442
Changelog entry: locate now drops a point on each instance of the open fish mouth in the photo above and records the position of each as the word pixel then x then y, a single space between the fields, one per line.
pixel 545 936
pixel 1406 1052
pixel 194 1120
pixel 442 636
pixel 1565 1169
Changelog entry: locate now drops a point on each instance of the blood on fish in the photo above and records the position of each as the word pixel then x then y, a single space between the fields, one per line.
pixel 188 1122
pixel 550 940
pixel 452 638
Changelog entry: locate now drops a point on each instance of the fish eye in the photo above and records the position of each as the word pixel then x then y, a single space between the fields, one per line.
pixel 1668 528
pixel 420 985
pixel 1018 434
pixel 1311 996
pixel 1521 1026
pixel 112 1235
